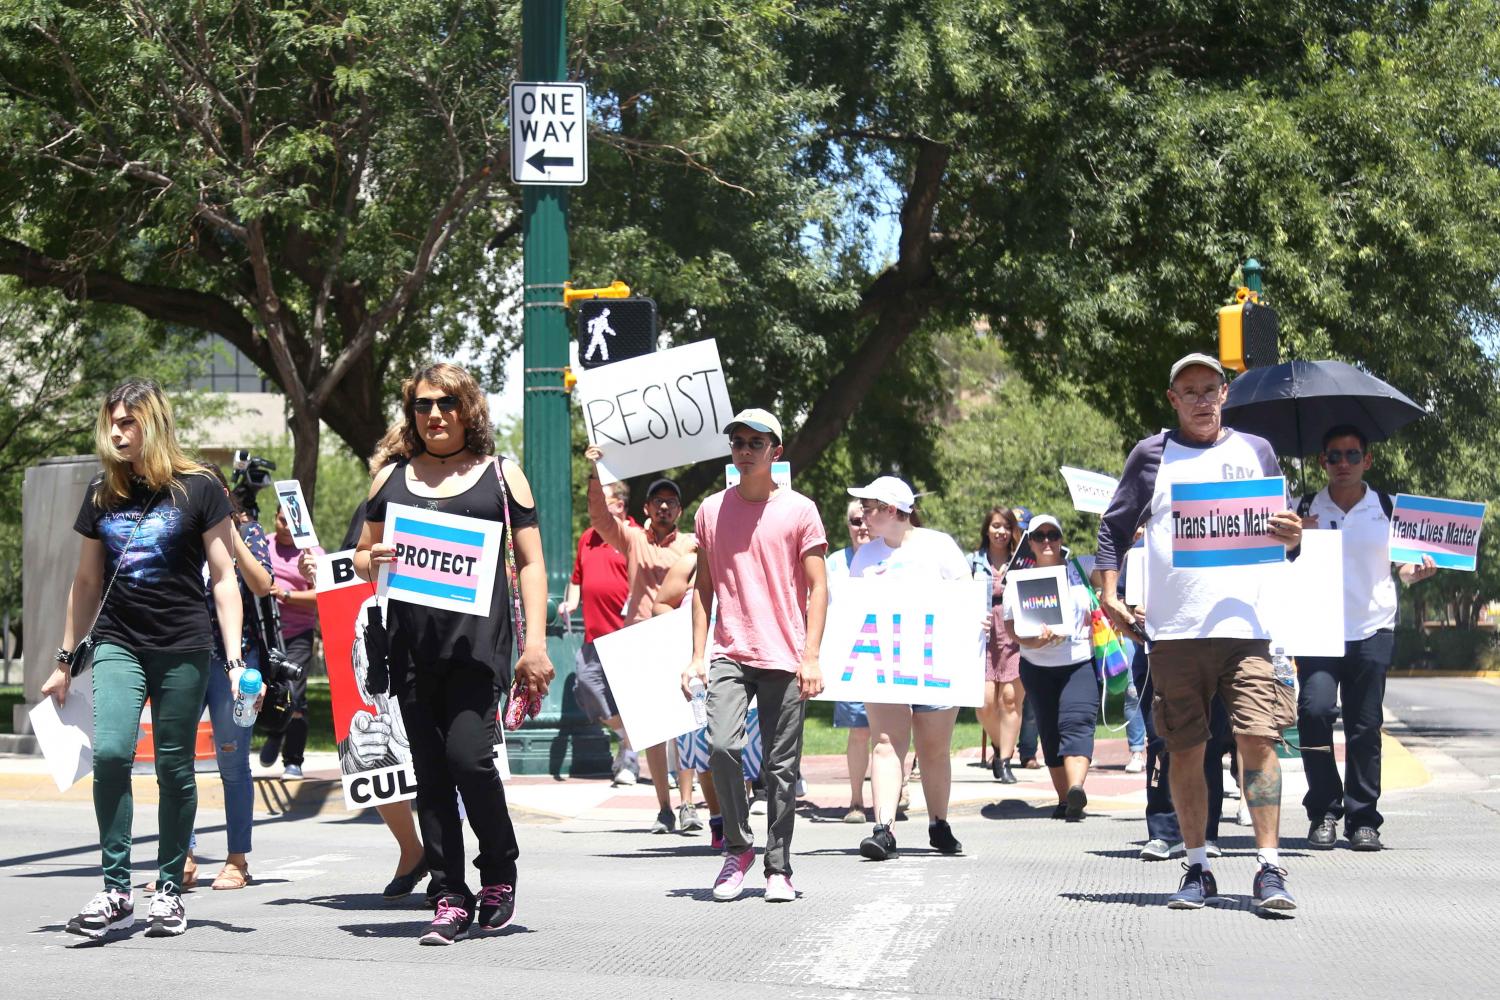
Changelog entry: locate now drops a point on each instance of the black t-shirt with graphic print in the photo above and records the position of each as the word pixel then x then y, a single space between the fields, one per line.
pixel 157 601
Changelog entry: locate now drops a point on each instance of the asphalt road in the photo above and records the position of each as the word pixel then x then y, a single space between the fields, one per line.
pixel 1036 908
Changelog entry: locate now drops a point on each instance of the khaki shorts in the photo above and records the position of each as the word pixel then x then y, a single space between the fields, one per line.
pixel 1187 673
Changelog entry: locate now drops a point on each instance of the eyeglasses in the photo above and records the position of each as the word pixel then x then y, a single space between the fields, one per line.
pixel 1351 455
pixel 752 444
pixel 663 502
pixel 856 522
pixel 1199 398
pixel 1047 536
pixel 447 404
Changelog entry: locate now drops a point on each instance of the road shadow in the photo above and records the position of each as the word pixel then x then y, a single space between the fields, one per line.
pixel 1017 809
pixel 1147 900
pixel 412 929
pixel 345 901
pixel 707 895
pixel 687 850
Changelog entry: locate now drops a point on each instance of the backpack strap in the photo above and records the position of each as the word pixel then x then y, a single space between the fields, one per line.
pixel 1305 504
pixel 1386 503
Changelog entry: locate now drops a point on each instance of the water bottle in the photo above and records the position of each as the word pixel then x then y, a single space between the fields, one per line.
pixel 246 689
pixel 699 692
pixel 1282 667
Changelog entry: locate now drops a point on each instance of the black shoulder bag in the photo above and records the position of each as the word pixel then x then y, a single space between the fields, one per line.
pixel 83 650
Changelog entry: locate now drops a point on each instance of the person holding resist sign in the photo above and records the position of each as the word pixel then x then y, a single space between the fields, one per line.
pixel 449 669
pixel 1356 679
pixel 901 549
pixel 760 554
pixel 1206 634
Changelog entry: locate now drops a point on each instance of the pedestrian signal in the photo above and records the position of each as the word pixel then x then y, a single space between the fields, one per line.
pixel 1249 334
pixel 615 329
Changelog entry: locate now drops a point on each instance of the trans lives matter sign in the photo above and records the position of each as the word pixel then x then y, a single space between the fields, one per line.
pixel 442 560
pixel 1226 523
pixel 1446 530
pixel 894 644
pixel 656 412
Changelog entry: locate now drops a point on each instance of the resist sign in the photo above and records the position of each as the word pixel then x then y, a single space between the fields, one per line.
pixel 893 644
pixel 442 560
pixel 1446 530
pixel 657 411
pixel 1226 524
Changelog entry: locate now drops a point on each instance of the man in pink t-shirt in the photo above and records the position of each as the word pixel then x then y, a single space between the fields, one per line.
pixel 760 555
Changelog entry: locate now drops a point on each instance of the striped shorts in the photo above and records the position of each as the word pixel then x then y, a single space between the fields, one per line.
pixel 692 748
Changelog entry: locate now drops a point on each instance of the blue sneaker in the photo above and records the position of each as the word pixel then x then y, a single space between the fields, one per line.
pixel 1270 889
pixel 1197 888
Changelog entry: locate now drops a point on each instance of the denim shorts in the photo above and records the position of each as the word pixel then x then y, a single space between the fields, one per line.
pixel 850 715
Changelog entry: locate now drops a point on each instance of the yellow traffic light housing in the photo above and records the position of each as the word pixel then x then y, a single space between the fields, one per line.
pixel 614 290
pixel 1249 333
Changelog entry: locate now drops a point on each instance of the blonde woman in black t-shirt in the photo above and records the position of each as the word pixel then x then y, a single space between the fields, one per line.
pixel 149 523
pixel 448 669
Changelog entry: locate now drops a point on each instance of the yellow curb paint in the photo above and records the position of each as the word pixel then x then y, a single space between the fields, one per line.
pixel 1399 768
pixel 1490 675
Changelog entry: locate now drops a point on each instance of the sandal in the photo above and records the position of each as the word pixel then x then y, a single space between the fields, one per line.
pixel 232 877
pixel 189 876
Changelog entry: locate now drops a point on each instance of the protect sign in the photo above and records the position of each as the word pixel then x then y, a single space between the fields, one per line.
pixel 1226 523
pixel 1091 491
pixel 442 560
pixel 655 412
pixel 893 644
pixel 1446 530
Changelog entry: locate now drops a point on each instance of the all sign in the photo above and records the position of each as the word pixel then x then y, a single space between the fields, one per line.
pixel 548 133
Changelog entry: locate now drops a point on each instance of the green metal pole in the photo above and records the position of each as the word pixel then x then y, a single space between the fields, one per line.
pixel 1252 275
pixel 559 740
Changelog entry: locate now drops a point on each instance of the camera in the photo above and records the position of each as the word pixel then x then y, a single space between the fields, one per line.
pixel 251 475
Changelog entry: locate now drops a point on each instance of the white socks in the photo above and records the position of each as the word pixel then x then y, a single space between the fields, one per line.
pixel 1268 856
pixel 1198 856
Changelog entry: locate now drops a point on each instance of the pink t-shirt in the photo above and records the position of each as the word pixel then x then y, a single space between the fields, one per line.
pixel 755 553
pixel 294 620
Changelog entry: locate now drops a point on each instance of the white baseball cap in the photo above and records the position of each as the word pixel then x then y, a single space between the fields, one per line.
pixel 1042 520
pixel 757 420
pixel 888 490
pixel 1189 360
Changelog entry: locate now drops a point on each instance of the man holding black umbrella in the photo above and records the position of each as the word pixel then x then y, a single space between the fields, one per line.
pixel 1206 636
pixel 1363 515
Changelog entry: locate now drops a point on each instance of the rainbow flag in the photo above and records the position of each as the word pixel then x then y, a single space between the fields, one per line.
pixel 1109 655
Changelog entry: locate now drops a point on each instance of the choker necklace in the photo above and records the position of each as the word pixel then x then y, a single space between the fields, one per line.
pixel 444 458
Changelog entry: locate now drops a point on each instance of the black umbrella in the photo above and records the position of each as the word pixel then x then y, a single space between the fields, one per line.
pixel 1293 404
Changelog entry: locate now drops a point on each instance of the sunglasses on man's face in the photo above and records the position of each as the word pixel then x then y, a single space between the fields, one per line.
pixel 424 404
pixel 1351 455
pixel 749 444
pixel 1046 536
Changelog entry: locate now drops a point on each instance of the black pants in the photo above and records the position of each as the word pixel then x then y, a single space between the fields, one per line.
pixel 1161 814
pixel 450 720
pixel 1026 740
pixel 1357 680
pixel 291 743
pixel 1067 708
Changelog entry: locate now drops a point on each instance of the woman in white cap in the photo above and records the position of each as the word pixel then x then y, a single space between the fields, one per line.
pixel 901 548
pixel 1057 669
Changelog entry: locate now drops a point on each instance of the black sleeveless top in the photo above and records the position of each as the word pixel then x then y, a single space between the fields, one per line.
pixel 433 640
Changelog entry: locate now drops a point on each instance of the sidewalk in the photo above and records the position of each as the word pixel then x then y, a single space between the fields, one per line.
pixel 540 798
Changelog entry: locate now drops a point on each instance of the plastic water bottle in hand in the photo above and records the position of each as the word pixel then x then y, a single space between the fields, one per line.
pixel 246 689
pixel 700 702
pixel 1281 666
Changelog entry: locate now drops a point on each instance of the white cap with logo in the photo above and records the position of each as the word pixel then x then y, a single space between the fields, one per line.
pixel 888 490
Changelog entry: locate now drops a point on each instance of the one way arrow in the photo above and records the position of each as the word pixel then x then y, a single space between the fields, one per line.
pixel 541 161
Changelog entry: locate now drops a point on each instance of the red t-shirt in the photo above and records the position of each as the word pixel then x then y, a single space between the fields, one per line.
pixel 600 572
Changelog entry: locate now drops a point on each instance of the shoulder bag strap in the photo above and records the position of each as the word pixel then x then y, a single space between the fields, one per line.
pixel 119 564
pixel 510 560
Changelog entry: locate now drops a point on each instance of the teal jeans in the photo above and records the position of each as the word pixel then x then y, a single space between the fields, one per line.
pixel 123 679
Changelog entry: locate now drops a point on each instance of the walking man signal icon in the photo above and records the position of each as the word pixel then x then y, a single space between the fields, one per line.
pixel 597 328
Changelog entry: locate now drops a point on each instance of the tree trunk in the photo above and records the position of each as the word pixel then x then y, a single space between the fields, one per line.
pixel 305 433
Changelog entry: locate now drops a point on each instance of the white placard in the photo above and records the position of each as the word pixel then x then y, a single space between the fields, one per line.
pixel 657 411
pixel 66 734
pixel 1302 599
pixel 781 475
pixel 298 514
pixel 1091 491
pixel 1135 575
pixel 644 664
pixel 549 133
pixel 893 643
pixel 1043 596
pixel 442 560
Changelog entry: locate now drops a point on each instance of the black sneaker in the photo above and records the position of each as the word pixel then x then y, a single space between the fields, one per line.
pixel 450 923
pixel 666 821
pixel 879 845
pixel 401 886
pixel 1197 888
pixel 497 906
pixel 1077 799
pixel 110 910
pixel 1324 833
pixel 1271 891
pixel 1364 838
pixel 270 750
pixel 167 917
pixel 1061 812
pixel 940 836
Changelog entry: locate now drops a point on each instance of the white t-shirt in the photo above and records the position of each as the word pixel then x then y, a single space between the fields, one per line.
pixel 924 555
pixel 1369 587
pixel 838 562
pixel 1080 645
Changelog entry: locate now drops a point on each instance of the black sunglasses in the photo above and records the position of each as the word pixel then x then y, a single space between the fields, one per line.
pixel 1351 455
pixel 856 522
pixel 445 403
pixel 1047 536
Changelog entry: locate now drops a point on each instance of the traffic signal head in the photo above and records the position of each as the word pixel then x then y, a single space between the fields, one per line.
pixel 1249 334
pixel 615 329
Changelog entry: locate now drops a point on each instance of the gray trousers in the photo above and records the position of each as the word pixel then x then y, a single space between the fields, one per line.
pixel 730 688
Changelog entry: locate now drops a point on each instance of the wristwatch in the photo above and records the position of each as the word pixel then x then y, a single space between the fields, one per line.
pixel 234 665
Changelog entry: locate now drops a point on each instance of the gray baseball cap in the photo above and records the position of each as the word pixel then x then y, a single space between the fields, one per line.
pixel 1189 360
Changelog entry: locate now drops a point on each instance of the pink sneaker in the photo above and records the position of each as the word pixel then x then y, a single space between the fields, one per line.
pixel 731 878
pixel 779 889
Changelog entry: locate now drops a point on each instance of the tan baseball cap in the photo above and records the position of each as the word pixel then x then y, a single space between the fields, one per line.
pixel 757 420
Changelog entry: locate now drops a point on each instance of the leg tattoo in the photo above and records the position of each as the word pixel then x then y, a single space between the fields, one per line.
pixel 1263 788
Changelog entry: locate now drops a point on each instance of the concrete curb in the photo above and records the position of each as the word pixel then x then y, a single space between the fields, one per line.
pixel 1418 674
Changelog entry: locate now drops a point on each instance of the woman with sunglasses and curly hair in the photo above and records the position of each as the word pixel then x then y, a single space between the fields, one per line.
pixel 149 523
pixel 449 670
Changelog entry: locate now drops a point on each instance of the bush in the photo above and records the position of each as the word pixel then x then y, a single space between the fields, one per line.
pixel 1447 649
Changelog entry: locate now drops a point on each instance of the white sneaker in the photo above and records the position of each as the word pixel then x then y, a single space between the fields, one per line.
pixel 624 776
pixel 758 805
pixel 779 889
pixel 801 790
pixel 166 917
pixel 1157 849
pixel 110 910
pixel 1137 764
pixel 1242 816
pixel 1212 849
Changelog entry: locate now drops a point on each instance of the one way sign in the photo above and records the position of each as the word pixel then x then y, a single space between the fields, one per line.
pixel 548 133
